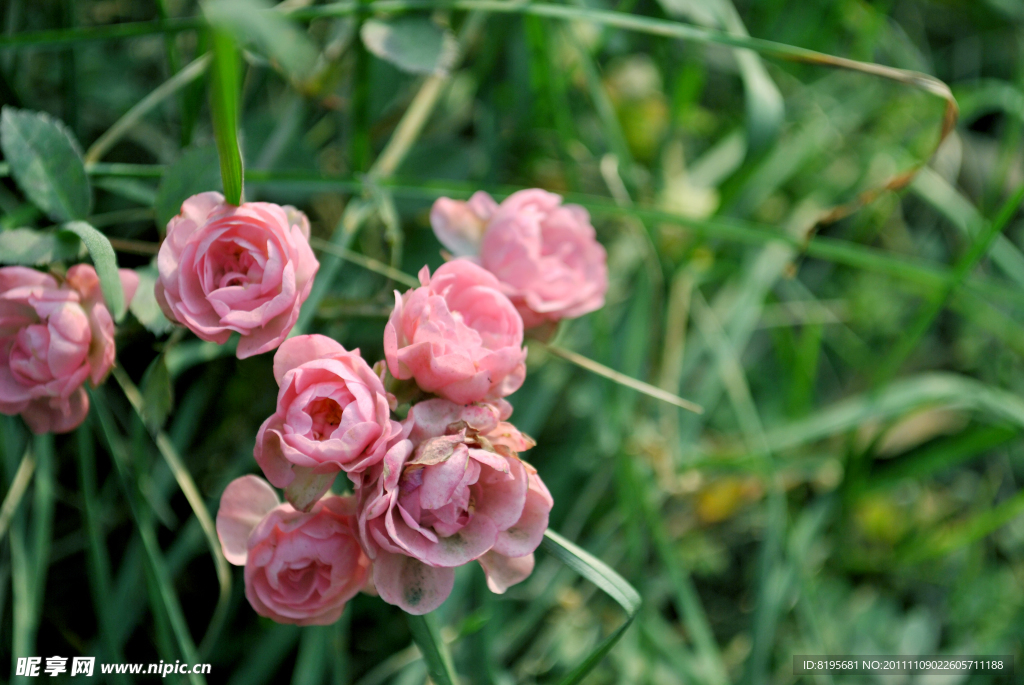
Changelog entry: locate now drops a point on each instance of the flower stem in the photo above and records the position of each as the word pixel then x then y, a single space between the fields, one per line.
pixel 435 652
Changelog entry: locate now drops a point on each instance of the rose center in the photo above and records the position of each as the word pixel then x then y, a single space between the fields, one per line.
pixel 326 415
pixel 237 268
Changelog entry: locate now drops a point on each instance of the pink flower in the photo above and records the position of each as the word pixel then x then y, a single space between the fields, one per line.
pixel 333 415
pixel 544 253
pixel 457 335
pixel 300 568
pixel 246 269
pixel 53 337
pixel 462 495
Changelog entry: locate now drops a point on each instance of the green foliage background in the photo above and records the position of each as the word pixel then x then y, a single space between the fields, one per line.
pixel 852 486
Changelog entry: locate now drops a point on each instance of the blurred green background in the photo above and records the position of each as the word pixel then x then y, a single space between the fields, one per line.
pixel 852 487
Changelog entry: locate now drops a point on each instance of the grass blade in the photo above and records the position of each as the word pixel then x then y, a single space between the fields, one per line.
pixel 19 485
pixel 168 88
pixel 96 551
pixel 433 648
pixel 30 549
pixel 620 378
pixel 225 94
pixel 195 500
pixel 168 597
pixel 608 581
pixel 979 248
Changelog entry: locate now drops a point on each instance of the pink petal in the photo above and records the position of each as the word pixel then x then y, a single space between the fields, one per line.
pixel 525 536
pixel 54 415
pixel 504 572
pixel 129 283
pixel 410 584
pixel 243 505
pixel 456 226
pixel 301 349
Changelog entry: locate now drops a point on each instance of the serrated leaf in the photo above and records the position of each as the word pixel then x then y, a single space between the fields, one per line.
pixel 196 171
pixel 413 44
pixel 253 22
pixel 144 305
pixel 105 261
pixel 26 247
pixel 157 393
pixel 46 162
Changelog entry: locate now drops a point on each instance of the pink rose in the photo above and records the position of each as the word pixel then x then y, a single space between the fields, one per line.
pixel 300 568
pixel 457 335
pixel 462 495
pixel 53 337
pixel 544 253
pixel 333 415
pixel 246 269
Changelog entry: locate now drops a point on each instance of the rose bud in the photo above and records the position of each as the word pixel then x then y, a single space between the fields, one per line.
pixel 461 495
pixel 53 337
pixel 300 567
pixel 544 253
pixel 244 269
pixel 457 335
pixel 333 415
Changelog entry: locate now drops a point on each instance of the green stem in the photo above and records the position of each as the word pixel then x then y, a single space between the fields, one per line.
pixel 433 648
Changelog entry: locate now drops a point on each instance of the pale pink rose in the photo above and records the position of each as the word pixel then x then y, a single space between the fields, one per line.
pixel 333 415
pixel 544 253
pixel 300 567
pixel 457 335
pixel 462 494
pixel 244 269
pixel 53 337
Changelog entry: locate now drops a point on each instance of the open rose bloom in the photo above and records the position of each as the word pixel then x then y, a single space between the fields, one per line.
pixel 460 494
pixel 333 415
pixel 244 269
pixel 544 253
pixel 457 335
pixel 54 336
pixel 300 567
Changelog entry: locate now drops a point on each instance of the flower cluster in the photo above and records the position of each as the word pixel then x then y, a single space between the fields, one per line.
pixel 55 334
pixel 436 490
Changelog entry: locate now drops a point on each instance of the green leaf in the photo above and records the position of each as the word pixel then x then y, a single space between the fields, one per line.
pixel 157 394
pixel 432 646
pixel 196 171
pixel 46 161
pixel 253 22
pixel 413 44
pixel 224 106
pixel 144 305
pixel 26 247
pixel 105 261
pixel 608 581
